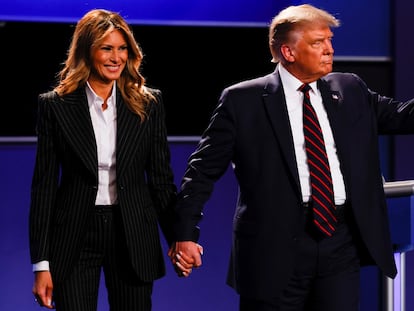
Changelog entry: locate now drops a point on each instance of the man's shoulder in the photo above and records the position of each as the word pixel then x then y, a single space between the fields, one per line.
pixel 254 83
pixel 343 80
pixel 341 76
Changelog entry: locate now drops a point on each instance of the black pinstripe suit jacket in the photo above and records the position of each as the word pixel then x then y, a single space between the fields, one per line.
pixel 65 182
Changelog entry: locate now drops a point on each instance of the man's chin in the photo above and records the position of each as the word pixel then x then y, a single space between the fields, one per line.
pixel 327 69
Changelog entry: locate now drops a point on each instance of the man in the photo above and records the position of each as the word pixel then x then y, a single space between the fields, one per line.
pixel 303 143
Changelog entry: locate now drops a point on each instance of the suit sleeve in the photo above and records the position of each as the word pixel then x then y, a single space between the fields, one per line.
pixel 44 182
pixel 205 166
pixel 159 172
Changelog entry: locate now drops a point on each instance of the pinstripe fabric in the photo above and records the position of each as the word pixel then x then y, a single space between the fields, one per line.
pixel 65 180
pixel 105 247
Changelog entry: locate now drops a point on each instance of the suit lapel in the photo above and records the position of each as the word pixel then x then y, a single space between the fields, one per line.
pixel 332 101
pixel 74 118
pixel 275 105
pixel 338 120
pixel 129 134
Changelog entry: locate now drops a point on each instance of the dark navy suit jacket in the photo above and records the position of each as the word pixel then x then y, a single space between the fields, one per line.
pixel 250 130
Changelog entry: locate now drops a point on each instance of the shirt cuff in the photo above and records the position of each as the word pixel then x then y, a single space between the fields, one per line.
pixel 41 266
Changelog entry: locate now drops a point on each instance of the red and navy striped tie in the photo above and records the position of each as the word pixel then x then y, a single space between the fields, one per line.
pixel 320 174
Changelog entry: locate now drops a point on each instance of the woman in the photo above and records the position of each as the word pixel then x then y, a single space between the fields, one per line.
pixel 102 180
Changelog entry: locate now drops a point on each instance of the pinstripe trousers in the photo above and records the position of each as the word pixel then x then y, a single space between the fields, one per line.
pixel 104 250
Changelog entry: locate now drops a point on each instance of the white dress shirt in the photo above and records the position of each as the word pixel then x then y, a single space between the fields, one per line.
pixel 104 126
pixel 294 102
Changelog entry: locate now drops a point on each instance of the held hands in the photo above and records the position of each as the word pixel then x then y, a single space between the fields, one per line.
pixel 185 256
pixel 43 288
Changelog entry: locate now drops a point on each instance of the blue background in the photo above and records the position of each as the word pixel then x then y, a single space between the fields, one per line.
pixel 147 11
pixel 365 29
pixel 371 30
pixel 204 290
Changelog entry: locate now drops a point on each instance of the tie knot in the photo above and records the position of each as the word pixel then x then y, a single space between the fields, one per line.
pixel 304 88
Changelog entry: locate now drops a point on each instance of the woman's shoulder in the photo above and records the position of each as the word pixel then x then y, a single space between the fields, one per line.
pixel 153 91
pixel 54 96
pixel 49 95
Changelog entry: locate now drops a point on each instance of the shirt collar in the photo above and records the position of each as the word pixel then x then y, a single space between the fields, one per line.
pixel 94 98
pixel 290 82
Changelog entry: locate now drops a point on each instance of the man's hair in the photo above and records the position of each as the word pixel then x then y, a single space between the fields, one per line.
pixel 289 19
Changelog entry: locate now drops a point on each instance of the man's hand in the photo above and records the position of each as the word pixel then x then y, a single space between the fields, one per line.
pixel 43 289
pixel 184 256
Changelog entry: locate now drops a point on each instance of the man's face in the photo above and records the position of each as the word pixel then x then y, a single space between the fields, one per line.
pixel 311 52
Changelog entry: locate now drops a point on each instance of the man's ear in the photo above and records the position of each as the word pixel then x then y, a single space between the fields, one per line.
pixel 287 53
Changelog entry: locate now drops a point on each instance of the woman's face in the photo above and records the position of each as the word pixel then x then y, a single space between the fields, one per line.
pixel 109 58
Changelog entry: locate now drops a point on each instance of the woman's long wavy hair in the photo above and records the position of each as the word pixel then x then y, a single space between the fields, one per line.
pixel 90 31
